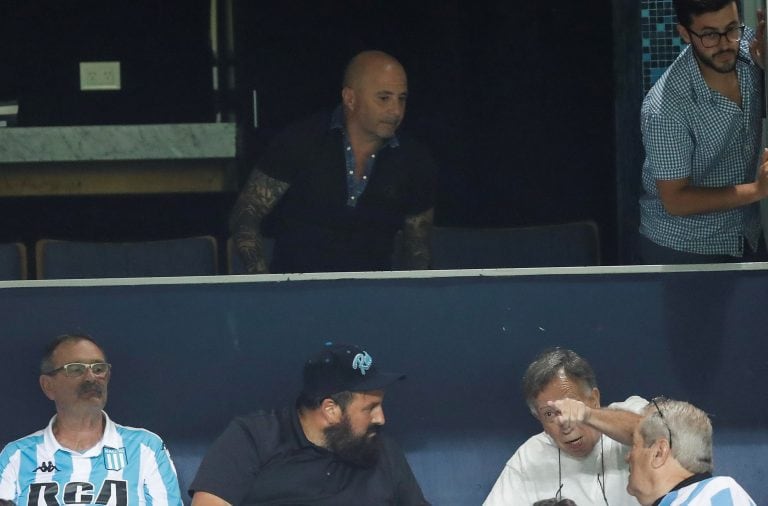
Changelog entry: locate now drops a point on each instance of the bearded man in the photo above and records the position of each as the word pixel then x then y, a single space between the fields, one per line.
pixel 325 451
pixel 705 170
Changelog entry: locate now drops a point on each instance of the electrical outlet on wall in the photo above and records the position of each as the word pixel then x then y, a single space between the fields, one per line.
pixel 99 75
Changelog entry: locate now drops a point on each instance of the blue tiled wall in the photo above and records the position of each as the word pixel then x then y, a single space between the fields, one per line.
pixel 661 44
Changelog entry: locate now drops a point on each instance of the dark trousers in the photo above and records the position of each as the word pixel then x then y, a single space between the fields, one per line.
pixel 651 253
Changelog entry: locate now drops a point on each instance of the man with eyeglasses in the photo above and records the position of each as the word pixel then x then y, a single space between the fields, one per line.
pixel 701 122
pixel 670 463
pixel 580 453
pixel 82 456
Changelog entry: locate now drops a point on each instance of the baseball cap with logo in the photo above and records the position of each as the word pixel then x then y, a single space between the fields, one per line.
pixel 344 367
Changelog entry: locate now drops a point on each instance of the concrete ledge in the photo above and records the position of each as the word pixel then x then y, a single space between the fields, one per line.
pixel 118 142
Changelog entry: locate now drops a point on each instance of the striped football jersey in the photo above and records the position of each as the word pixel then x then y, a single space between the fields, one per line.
pixel 128 467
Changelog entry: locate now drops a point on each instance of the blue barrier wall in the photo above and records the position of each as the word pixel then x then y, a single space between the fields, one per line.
pixel 188 356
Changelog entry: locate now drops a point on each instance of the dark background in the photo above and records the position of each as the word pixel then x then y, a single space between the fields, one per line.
pixel 515 100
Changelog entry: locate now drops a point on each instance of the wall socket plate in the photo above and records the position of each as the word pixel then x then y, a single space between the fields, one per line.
pixel 99 75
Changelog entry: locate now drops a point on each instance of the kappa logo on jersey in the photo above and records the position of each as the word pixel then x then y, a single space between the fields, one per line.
pixel 114 458
pixel 47 467
pixel 79 492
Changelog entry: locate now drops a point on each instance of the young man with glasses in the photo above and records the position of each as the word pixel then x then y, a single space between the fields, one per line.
pixel 670 463
pixel 701 122
pixel 82 456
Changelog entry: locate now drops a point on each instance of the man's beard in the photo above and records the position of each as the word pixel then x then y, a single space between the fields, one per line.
pixel 361 451
pixel 710 62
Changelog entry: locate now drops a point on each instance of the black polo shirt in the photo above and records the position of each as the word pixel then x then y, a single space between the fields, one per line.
pixel 265 459
pixel 315 229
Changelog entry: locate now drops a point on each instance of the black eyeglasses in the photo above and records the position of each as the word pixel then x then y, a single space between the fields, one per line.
pixel 661 415
pixel 76 369
pixel 712 39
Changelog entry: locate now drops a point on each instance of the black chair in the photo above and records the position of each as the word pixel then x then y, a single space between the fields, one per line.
pixel 13 261
pixel 569 244
pixel 190 256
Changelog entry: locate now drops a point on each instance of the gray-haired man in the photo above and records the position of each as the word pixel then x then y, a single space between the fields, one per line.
pixel 671 460
pixel 580 454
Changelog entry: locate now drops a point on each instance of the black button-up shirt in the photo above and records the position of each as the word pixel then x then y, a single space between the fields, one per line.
pixel 315 227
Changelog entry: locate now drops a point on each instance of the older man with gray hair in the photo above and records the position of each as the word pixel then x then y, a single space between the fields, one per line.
pixel 580 454
pixel 670 462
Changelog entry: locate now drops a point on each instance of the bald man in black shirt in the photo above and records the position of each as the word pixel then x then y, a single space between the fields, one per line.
pixel 342 184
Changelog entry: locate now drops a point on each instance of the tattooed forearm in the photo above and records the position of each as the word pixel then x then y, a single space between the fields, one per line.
pixel 257 199
pixel 416 249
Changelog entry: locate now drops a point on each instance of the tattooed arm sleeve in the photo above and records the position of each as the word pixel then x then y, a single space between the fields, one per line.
pixel 416 249
pixel 257 199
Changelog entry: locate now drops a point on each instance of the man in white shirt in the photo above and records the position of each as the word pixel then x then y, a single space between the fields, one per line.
pixel 580 455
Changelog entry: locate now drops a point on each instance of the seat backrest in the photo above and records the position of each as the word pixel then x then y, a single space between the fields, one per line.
pixel 189 256
pixel 235 263
pixel 568 244
pixel 13 261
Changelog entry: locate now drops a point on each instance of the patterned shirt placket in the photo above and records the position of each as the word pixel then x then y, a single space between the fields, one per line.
pixel 355 186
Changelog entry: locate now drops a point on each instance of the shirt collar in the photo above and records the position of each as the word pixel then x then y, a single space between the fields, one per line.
pixel 298 431
pixel 688 481
pixel 109 438
pixel 337 118
pixel 700 87
pixel 337 123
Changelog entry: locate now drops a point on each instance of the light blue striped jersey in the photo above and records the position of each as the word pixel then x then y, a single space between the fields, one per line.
pixel 128 467
pixel 716 491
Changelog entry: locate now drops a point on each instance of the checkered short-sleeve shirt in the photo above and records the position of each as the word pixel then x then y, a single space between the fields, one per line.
pixel 691 131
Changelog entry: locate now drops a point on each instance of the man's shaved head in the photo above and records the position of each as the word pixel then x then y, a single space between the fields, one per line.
pixel 374 97
pixel 366 62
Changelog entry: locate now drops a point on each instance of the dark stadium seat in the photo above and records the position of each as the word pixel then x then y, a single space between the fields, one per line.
pixel 13 261
pixel 190 256
pixel 569 244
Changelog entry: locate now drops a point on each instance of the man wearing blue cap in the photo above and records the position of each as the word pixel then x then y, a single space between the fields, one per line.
pixel 326 451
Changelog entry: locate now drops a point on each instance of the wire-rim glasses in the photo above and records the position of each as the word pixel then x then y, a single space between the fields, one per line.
pixel 655 402
pixel 712 39
pixel 75 369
